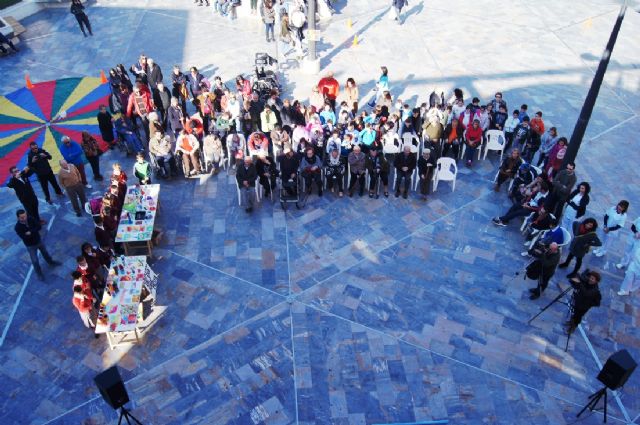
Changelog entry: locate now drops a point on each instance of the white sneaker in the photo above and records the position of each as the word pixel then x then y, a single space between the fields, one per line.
pixel 598 253
pixel 623 293
pixel 525 253
pixel 88 186
pixel 619 266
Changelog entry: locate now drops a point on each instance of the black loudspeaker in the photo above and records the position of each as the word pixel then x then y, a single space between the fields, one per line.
pixel 112 388
pixel 617 370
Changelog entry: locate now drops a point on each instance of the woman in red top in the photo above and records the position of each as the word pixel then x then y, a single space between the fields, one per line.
pixel 556 156
pixel 473 139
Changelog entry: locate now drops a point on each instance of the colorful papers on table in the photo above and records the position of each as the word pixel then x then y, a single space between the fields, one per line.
pixel 138 213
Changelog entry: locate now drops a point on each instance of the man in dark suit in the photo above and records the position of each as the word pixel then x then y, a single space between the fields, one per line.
pixel 28 228
pixel 405 163
pixel 246 175
pixel 38 160
pixel 20 183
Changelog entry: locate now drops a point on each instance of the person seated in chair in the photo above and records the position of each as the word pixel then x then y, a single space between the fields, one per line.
pixel 187 145
pixel 267 173
pixel 311 170
pixel 525 176
pixel 236 144
pixel 378 168
pixel 405 163
pixel 534 203
pixel 246 176
pixel 508 169
pixel 160 148
pixel 357 164
pixel 213 152
pixel 426 165
pixel 334 169
pixel 289 164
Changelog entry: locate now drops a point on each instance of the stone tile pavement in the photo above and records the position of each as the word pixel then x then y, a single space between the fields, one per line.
pixel 349 311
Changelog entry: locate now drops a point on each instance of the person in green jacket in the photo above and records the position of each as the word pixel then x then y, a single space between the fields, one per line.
pixel 142 169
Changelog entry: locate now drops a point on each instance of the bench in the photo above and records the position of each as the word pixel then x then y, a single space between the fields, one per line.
pixel 18 29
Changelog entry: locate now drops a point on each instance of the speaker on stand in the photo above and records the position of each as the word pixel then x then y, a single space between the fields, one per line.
pixel 614 375
pixel 112 389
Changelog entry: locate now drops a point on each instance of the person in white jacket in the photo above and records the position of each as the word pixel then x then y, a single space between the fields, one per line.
pixel 233 108
pixel 614 220
pixel 633 243
pixel 632 276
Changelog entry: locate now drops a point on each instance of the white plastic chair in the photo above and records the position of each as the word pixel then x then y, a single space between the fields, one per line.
pixel 464 148
pixel 566 237
pixel 409 139
pixel 495 142
pixel 446 170
pixel 256 189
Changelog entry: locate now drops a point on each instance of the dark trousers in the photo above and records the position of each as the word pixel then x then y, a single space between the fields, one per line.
pixel 374 180
pixel 83 21
pixel 44 183
pixel 424 182
pixel 578 262
pixel 357 178
pixel 268 184
pixel 31 207
pixel 310 177
pixel 33 254
pixel 94 161
pixel 403 175
pixel 455 148
pixel 77 197
pixel 515 211
pixel 338 180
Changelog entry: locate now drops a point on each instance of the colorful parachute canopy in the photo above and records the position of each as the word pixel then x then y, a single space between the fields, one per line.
pixel 44 114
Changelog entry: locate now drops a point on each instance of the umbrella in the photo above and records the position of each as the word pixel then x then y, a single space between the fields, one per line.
pixel 45 113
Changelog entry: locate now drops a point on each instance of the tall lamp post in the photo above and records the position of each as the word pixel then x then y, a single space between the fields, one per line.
pixel 312 63
pixel 592 96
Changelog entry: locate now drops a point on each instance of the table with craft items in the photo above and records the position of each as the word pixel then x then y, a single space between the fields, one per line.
pixel 139 209
pixel 129 279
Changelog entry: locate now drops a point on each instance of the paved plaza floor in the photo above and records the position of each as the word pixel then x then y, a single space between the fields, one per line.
pixel 348 311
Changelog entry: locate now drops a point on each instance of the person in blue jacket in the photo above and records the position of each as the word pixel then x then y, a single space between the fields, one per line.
pixel 72 153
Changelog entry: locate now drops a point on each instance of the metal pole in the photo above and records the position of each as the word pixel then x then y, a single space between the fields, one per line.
pixel 592 96
pixel 311 33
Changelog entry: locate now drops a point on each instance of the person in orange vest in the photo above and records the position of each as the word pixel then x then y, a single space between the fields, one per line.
pixel 187 145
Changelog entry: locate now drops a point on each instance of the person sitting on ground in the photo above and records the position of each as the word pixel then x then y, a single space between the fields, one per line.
pixel 508 169
pixel 142 169
pixel 213 152
pixel 160 147
pixel 378 168
pixel 267 173
pixel 334 170
pixel 246 175
pixel 357 163
pixel 405 163
pixel 584 237
pixel 187 145
pixel 311 170
pixel 534 203
pixel 426 165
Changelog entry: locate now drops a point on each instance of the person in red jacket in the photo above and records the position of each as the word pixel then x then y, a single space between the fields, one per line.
pixel 473 139
pixel 329 87
pixel 141 102
pixel 82 300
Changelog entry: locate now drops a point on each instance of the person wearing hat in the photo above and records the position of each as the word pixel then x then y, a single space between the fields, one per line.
pixel 426 165
pixel 246 177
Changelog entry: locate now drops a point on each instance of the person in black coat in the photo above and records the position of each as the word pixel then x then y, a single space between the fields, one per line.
pixel 267 172
pixel 543 268
pixel 38 160
pixel 246 175
pixel 28 228
pixel 77 10
pixel 405 163
pixel 154 76
pixel 586 294
pixel 426 165
pixel 584 237
pixel 20 183
pixel 162 100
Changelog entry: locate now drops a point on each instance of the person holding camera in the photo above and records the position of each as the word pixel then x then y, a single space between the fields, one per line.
pixel 584 238
pixel 543 267
pixel 586 294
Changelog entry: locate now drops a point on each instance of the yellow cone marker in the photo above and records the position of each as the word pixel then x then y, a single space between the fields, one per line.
pixel 355 40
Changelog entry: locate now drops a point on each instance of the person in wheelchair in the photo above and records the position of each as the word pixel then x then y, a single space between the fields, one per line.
pixel 334 169
pixel 213 152
pixel 311 170
pixel 289 164
pixel 161 155
pixel 378 168
pixel 267 172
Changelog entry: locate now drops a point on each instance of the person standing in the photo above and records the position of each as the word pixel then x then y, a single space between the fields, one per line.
pixel 140 105
pixel 614 220
pixel 397 7
pixel 20 183
pixel 83 300
pixel 71 181
pixel 632 276
pixel 38 160
pixel 92 152
pixel 105 123
pixel 633 243
pixel 543 269
pixel 268 14
pixel 577 202
pixel 563 184
pixel 77 10
pixel 28 228
pixel 584 238
pixel 246 175
pixel 72 153
pixel 142 169
pixel 586 294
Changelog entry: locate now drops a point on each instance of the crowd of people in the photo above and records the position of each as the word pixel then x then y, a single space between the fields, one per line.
pixel 200 125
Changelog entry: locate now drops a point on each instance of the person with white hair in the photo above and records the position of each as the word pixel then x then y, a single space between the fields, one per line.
pixel 246 177
pixel 154 75
pixel 426 165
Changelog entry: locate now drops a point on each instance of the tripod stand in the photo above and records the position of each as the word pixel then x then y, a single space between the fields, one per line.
pixel 124 413
pixel 593 401
pixel 555 300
